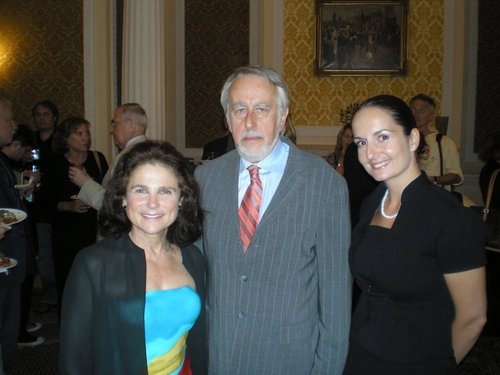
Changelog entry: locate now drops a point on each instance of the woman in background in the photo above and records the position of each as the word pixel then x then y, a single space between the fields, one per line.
pixel 417 255
pixel 344 139
pixel 132 298
pixel 75 223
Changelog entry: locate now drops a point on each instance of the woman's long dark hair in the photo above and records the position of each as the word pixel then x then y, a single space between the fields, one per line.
pixel 113 220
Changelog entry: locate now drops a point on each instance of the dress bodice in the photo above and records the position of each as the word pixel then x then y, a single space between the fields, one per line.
pixel 168 317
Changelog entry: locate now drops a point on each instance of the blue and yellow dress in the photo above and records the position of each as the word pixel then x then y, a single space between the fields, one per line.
pixel 168 317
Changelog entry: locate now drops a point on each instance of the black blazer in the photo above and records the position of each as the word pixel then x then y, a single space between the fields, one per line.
pixel 220 146
pixel 102 318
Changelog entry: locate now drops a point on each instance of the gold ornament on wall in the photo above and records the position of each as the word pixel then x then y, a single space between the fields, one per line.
pixel 347 113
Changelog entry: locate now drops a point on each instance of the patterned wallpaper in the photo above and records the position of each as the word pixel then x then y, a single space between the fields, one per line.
pixel 41 55
pixel 317 101
pixel 216 42
pixel 488 75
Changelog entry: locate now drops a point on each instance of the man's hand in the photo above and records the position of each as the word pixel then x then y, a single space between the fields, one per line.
pixel 74 206
pixel 78 176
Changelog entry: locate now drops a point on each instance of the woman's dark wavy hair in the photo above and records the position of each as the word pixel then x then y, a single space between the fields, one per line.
pixel 490 149
pixel 112 217
pixel 64 130
pixel 400 112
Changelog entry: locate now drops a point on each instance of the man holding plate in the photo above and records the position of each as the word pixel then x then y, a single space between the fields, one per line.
pixel 14 245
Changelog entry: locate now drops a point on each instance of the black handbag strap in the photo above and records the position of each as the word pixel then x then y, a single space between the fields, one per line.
pixel 438 140
pixel 493 178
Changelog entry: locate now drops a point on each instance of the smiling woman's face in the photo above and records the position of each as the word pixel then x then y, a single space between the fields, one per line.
pixel 383 149
pixel 152 200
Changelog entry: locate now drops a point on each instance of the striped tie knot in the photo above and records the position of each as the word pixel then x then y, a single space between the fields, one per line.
pixel 254 171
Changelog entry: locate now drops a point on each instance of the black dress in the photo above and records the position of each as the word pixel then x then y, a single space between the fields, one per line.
pixel 71 231
pixel 402 324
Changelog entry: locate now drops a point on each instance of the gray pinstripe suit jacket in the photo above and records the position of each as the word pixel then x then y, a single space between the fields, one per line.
pixel 284 307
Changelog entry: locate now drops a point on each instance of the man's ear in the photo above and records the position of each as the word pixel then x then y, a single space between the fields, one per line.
pixel 283 121
pixel 16 144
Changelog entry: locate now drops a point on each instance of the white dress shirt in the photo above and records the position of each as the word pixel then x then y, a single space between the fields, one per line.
pixel 270 173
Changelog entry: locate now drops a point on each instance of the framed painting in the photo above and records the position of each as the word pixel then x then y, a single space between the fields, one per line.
pixel 361 38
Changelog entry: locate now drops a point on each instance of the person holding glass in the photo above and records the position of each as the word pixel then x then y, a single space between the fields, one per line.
pixel 417 255
pixel 133 302
pixel 75 223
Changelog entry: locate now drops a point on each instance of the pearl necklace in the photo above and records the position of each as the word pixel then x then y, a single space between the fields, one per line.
pixel 382 207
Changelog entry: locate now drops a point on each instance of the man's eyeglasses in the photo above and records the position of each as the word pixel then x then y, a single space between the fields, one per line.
pixel 113 122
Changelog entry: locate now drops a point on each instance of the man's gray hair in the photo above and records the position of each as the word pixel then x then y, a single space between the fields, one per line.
pixel 133 111
pixel 425 98
pixel 270 75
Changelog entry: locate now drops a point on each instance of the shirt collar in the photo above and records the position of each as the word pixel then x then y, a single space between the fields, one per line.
pixel 272 162
pixel 130 141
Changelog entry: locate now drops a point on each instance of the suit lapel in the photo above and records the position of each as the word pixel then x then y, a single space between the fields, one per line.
pixel 288 185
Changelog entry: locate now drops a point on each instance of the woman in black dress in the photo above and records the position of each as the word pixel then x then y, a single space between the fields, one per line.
pixel 75 223
pixel 417 254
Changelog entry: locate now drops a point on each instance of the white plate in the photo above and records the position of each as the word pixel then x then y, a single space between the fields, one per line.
pixel 20 215
pixel 13 263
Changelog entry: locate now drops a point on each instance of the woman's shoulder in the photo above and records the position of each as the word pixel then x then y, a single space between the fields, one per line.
pixel 192 251
pixel 447 211
pixel 192 257
pixel 488 169
pixel 93 155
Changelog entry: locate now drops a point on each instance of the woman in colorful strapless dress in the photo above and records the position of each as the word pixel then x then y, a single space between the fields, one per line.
pixel 133 302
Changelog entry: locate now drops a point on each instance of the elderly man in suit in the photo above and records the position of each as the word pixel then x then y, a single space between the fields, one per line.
pixel 276 238
pixel 128 127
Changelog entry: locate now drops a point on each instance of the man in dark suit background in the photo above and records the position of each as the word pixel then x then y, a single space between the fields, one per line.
pixel 279 302
pixel 14 244
pixel 221 145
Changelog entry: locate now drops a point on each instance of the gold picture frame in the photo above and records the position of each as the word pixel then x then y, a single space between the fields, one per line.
pixel 361 38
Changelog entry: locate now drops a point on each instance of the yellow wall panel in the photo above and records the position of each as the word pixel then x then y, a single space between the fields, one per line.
pixel 317 101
